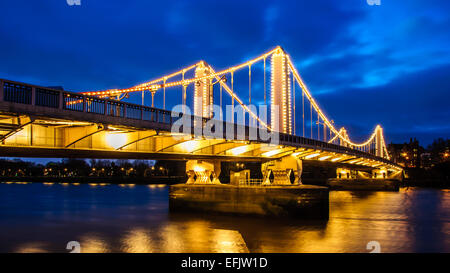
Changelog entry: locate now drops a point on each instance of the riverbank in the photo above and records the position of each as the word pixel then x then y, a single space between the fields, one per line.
pixel 98 179
pixel 170 180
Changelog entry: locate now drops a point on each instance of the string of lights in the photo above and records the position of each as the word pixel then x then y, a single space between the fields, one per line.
pixel 163 83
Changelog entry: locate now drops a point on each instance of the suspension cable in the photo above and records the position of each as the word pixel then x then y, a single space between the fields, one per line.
pixel 152 86
pixel 148 85
pixel 231 92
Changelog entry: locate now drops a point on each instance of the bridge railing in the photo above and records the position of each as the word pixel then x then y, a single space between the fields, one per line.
pixel 72 101
pixel 16 92
pixel 47 98
pixel 251 182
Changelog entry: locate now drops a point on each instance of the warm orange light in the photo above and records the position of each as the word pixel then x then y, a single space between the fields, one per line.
pixel 312 156
pixel 116 140
pixel 239 150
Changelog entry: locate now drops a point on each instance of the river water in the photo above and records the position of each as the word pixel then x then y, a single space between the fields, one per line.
pixel 37 217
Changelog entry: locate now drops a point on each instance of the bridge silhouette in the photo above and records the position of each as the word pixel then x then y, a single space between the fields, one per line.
pixel 39 121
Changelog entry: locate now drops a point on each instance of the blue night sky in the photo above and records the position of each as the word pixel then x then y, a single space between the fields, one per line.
pixel 365 65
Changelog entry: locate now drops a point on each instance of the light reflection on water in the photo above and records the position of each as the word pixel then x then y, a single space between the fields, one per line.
pixel 111 218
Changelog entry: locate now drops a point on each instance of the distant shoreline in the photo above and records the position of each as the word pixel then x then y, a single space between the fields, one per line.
pixel 97 179
pixel 428 183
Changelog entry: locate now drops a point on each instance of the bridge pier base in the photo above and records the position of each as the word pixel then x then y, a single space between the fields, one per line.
pixel 299 201
pixel 373 180
pixel 203 172
pixel 286 171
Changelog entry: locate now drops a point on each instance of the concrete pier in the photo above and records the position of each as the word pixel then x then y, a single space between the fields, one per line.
pixel 364 184
pixel 299 201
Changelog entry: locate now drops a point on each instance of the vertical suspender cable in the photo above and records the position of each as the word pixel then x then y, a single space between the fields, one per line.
pixel 318 126
pixel 232 95
pixel 249 84
pixel 221 110
pixel 153 98
pixel 232 88
pixel 293 92
pixel 265 96
pixel 183 96
pixel 164 94
pixel 303 112
pixel 310 104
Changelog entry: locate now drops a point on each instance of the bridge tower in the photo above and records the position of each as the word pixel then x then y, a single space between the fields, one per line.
pixel 378 141
pixel 203 95
pixel 345 135
pixel 281 102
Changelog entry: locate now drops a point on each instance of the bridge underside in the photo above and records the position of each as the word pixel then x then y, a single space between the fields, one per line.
pixel 22 136
pixel 34 136
pixel 98 128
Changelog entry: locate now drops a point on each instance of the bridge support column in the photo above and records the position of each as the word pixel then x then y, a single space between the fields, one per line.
pixel 286 171
pixel 378 144
pixel 203 172
pixel 203 96
pixel 384 173
pixel 281 102
pixel 380 173
pixel 342 173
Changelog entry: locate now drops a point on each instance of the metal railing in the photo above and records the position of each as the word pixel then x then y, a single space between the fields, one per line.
pixel 251 182
pixel 47 98
pixel 18 93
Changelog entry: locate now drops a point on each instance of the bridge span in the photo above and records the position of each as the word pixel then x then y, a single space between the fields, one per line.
pixel 37 121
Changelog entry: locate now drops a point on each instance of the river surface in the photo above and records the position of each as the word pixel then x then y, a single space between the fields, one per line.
pixel 36 217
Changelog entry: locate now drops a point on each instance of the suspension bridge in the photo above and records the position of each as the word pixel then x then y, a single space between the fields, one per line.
pixel 38 121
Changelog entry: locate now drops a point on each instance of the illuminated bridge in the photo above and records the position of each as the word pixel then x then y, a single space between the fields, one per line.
pixel 38 121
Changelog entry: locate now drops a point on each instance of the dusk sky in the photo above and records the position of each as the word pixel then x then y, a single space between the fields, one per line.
pixel 365 65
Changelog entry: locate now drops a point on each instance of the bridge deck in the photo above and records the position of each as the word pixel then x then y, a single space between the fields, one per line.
pixel 43 122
